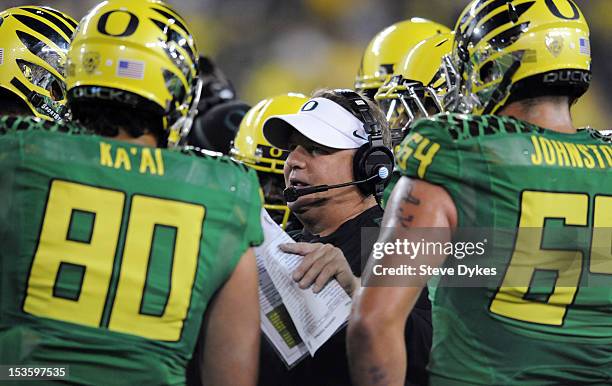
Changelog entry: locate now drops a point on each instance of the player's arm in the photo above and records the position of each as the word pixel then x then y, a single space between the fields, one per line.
pixel 376 348
pixel 231 332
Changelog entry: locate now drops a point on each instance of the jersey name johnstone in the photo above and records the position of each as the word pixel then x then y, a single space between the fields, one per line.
pixel 567 154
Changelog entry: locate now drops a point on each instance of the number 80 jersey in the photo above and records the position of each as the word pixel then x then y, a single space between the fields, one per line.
pixel 112 251
pixel 549 318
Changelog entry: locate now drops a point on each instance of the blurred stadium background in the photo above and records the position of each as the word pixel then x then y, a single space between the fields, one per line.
pixel 268 47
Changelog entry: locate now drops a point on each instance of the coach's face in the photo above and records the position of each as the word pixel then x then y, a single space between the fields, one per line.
pixel 309 164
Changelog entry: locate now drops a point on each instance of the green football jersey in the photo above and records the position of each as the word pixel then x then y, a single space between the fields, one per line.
pixel 112 251
pixel 503 173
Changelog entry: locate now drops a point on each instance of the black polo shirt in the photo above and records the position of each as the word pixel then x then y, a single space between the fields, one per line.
pixel 329 366
pixel 348 237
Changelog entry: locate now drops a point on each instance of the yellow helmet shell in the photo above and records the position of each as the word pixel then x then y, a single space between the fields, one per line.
pixel 250 146
pixel 545 42
pixel 388 47
pixel 33 44
pixel 423 62
pixel 140 53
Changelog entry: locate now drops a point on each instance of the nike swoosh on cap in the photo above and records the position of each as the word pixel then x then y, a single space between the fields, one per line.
pixel 359 136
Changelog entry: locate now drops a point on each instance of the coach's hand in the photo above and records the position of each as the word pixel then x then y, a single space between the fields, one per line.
pixel 321 263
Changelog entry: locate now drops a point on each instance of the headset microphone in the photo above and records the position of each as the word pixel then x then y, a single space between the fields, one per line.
pixel 292 194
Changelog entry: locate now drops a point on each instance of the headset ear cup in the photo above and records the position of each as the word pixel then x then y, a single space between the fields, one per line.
pixel 359 170
pixel 380 156
pixel 366 162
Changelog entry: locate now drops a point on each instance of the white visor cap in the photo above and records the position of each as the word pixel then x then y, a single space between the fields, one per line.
pixel 320 120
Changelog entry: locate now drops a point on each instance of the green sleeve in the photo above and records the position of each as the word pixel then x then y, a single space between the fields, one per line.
pixel 254 231
pixel 239 226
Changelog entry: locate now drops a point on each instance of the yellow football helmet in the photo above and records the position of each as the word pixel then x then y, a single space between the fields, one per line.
pixel 511 50
pixel 140 54
pixel 33 46
pixel 417 88
pixel 388 47
pixel 251 147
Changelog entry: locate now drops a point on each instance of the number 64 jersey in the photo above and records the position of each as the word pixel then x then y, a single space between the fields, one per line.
pixel 548 317
pixel 112 251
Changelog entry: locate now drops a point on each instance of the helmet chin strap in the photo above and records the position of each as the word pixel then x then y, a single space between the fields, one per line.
pixel 182 126
pixel 45 105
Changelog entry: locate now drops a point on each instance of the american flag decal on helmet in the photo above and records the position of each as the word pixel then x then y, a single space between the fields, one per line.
pixel 130 69
pixel 585 46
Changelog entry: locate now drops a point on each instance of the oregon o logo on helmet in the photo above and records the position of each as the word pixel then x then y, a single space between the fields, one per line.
pixel 310 105
pixel 555 10
pixel 275 153
pixel 129 29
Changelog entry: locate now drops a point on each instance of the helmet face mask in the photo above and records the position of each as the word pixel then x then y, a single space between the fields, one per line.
pixel 35 42
pixel 418 87
pixel 455 98
pixel 404 100
pixel 272 186
pixel 396 113
pixel 506 52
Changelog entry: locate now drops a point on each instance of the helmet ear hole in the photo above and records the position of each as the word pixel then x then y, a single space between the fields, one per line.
pixel 487 72
pixel 57 91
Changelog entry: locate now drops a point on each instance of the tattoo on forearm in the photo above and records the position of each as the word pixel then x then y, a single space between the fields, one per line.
pixel 377 376
pixel 405 221
pixel 407 199
pixel 407 196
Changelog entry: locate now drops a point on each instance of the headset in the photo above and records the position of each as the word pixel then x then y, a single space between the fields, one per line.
pixel 372 163
pixel 372 159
